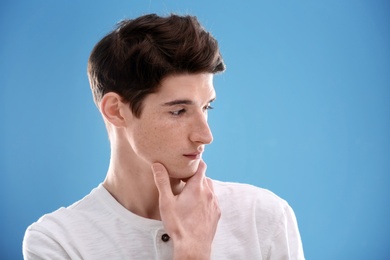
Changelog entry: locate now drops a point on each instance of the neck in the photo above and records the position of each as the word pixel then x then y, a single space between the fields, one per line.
pixel 130 181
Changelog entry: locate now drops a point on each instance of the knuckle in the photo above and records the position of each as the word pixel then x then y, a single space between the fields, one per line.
pixel 210 196
pixel 219 213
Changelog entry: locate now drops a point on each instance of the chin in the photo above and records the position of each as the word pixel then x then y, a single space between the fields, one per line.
pixel 184 176
pixel 183 173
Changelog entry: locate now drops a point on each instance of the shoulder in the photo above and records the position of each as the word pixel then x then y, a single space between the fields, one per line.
pixel 257 214
pixel 81 209
pixel 50 230
pixel 242 188
pixel 245 203
pixel 249 195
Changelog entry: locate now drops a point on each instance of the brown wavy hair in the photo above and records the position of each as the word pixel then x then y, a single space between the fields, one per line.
pixel 133 59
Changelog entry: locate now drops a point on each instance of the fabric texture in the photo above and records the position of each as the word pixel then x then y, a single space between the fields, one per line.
pixel 255 224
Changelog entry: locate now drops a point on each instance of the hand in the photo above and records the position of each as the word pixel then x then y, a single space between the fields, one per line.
pixel 191 217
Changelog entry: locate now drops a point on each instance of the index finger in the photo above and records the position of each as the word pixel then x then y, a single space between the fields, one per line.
pixel 200 173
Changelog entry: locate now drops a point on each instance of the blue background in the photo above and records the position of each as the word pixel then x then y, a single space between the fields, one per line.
pixel 303 110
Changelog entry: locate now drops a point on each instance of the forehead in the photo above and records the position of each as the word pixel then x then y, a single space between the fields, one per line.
pixel 191 86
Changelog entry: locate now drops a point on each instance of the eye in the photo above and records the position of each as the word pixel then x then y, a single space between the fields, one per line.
pixel 208 107
pixel 177 112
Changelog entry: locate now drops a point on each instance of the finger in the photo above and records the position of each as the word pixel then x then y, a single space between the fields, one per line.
pixel 199 175
pixel 161 179
pixel 209 183
pixel 213 195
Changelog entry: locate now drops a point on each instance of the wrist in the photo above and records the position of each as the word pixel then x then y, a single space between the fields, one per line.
pixel 191 250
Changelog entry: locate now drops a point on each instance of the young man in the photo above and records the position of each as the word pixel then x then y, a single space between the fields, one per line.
pixel 152 80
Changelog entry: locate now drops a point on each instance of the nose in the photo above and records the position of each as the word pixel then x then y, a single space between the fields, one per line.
pixel 200 130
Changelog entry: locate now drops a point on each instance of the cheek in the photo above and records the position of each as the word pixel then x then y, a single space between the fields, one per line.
pixel 156 143
pixel 147 143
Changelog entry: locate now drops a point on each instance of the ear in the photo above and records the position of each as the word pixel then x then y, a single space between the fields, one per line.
pixel 111 108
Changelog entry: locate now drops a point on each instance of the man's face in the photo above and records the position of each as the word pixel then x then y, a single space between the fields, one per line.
pixel 173 128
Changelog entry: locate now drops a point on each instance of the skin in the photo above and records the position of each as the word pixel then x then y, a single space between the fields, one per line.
pixel 156 168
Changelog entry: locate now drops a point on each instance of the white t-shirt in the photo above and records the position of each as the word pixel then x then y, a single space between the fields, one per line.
pixel 254 224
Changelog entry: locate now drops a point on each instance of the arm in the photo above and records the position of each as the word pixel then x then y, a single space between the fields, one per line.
pixel 287 244
pixel 190 218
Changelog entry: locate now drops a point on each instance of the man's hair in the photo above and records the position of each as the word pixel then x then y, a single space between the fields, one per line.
pixel 133 59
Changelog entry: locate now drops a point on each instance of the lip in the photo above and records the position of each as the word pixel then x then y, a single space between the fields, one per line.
pixel 193 156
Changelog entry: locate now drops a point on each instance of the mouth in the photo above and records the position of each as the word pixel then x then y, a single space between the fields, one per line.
pixel 193 156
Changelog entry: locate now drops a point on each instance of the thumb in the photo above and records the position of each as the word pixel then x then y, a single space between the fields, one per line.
pixel 161 179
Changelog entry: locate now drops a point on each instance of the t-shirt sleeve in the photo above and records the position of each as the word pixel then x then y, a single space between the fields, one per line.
pixel 37 244
pixel 286 244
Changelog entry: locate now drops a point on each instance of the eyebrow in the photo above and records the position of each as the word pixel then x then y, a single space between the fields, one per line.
pixel 178 102
pixel 182 102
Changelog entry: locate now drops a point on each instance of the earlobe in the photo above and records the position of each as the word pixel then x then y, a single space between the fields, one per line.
pixel 111 108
